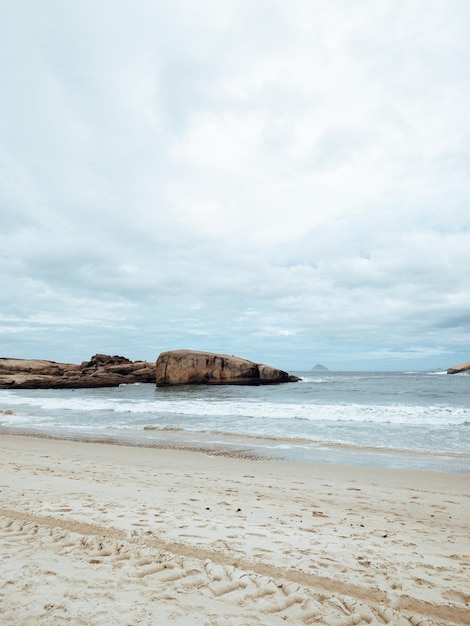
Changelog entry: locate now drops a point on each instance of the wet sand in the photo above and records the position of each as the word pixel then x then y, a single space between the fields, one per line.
pixel 102 534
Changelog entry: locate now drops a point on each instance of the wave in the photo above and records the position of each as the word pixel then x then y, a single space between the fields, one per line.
pixel 261 447
pixel 116 409
pixel 173 429
pixel 223 437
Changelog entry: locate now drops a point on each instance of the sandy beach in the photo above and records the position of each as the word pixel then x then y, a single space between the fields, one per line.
pixel 103 534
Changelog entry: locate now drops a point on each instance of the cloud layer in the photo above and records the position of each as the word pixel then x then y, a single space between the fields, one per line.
pixel 287 183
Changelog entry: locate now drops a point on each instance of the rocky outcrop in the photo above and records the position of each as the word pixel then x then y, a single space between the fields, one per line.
pixel 101 371
pixel 177 367
pixel 269 375
pixel 458 369
pixel 190 367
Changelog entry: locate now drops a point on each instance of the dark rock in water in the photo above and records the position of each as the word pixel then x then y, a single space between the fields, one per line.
pixel 269 375
pixel 458 369
pixel 191 367
pixel 320 368
pixel 101 371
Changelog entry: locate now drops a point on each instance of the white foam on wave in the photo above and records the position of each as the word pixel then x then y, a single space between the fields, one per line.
pixel 433 415
pixel 67 403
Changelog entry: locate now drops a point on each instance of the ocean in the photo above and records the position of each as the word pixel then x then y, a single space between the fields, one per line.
pixel 414 420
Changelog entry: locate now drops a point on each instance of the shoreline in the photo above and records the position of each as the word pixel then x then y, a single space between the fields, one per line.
pixel 103 534
pixel 236 446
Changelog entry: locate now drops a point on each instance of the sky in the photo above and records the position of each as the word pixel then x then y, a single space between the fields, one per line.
pixel 284 181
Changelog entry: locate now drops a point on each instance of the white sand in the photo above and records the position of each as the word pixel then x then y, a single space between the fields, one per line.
pixel 109 535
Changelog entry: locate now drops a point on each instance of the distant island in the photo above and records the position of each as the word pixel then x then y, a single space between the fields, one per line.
pixel 320 368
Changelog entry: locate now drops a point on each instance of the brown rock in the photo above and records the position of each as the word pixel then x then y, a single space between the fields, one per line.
pixel 457 369
pixel 191 367
pixel 269 375
pixel 101 371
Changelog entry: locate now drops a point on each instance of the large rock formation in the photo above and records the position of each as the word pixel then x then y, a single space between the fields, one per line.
pixel 457 369
pixel 101 371
pixel 178 367
pixel 190 367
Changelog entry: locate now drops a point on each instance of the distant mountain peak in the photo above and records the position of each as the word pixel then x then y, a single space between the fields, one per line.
pixel 320 368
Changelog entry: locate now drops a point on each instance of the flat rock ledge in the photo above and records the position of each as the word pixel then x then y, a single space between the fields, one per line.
pixel 101 371
pixel 190 367
pixel 458 369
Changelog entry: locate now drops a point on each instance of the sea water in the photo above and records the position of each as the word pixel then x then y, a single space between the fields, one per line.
pixel 417 420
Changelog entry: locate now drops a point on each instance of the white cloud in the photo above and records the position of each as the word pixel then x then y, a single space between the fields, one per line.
pixel 279 182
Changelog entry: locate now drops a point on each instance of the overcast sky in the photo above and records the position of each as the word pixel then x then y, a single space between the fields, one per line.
pixel 284 181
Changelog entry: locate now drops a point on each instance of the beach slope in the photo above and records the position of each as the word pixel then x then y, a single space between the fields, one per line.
pixel 103 534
